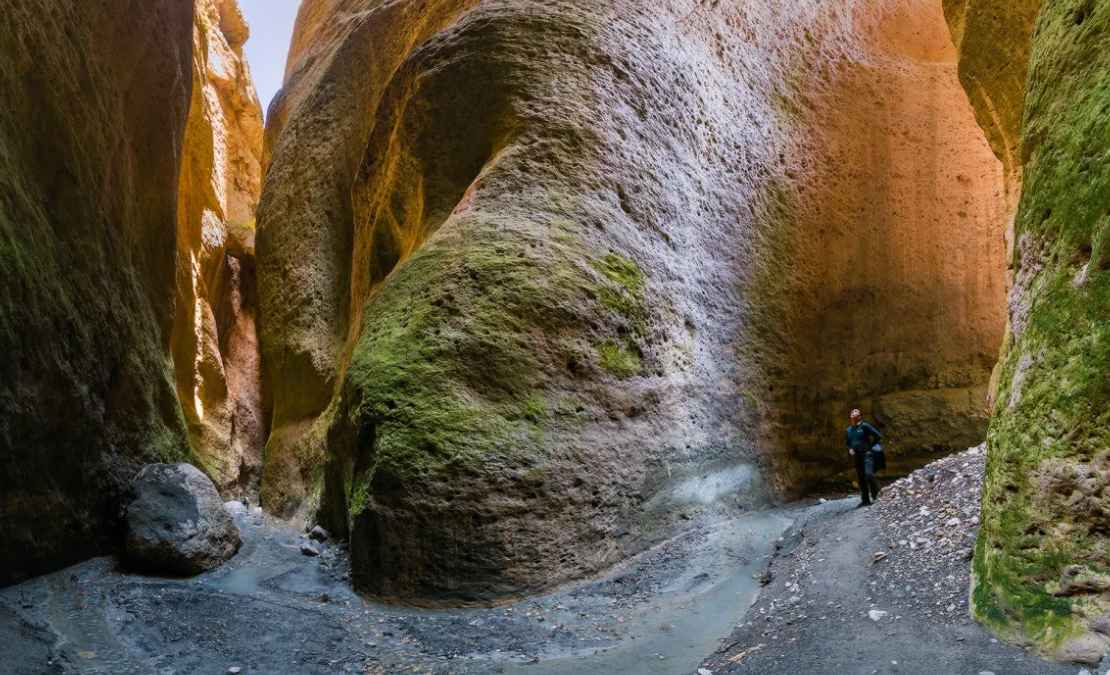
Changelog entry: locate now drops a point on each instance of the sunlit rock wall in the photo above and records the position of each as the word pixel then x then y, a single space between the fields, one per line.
pixel 890 266
pixel 215 341
pixel 95 97
pixel 1043 551
pixel 536 277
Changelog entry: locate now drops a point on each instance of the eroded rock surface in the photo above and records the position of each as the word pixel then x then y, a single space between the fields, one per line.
pixel 530 270
pixel 95 102
pixel 176 522
pixel 886 273
pixel 1044 504
pixel 215 340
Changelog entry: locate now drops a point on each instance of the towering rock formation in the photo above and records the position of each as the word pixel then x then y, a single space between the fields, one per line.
pixel 215 343
pixel 1042 555
pixel 535 275
pixel 887 273
pixel 95 102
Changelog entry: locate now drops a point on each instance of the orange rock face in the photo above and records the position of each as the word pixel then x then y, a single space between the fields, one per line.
pixel 215 341
pixel 893 278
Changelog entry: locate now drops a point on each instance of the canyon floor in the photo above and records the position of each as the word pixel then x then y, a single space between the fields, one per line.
pixel 273 609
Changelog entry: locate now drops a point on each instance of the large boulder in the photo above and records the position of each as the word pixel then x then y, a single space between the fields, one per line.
pixel 529 268
pixel 177 523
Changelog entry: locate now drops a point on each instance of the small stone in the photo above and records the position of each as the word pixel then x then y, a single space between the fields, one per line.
pixel 1087 648
pixel 704 671
pixel 877 614
pixel 309 549
pixel 319 534
pixel 234 670
pixel 1102 624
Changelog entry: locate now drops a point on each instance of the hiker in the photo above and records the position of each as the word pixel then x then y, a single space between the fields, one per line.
pixel 861 438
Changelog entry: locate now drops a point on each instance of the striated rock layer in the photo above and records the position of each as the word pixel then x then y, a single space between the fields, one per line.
pixel 536 276
pixel 95 102
pixel 1043 551
pixel 215 340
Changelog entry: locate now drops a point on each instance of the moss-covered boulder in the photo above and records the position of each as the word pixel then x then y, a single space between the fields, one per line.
pixel 525 267
pixel 95 101
pixel 1046 516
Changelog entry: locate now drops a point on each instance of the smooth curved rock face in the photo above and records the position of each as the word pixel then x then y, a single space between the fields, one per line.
pixel 528 268
pixel 1045 506
pixel 95 101
pixel 176 522
pixel 215 340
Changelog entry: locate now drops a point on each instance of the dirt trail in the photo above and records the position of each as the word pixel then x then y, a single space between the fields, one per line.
pixel 879 590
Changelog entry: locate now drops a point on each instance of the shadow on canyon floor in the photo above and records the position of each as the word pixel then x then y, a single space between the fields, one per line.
pixel 273 610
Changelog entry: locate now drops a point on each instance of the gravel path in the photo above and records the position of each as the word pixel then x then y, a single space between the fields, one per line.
pixel 878 590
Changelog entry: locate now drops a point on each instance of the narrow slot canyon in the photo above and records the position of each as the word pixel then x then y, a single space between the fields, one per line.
pixel 521 336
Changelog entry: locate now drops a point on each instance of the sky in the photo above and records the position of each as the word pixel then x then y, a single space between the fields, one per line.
pixel 271 23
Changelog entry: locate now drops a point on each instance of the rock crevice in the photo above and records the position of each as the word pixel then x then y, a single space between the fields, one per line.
pixel 215 338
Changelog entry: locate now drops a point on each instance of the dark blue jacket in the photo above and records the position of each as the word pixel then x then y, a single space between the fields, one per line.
pixel 861 437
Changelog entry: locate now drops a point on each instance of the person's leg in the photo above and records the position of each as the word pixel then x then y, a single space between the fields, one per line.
pixel 869 471
pixel 861 476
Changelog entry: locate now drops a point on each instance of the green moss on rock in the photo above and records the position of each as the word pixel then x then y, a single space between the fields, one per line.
pixel 448 368
pixel 1053 413
pixel 618 359
pixel 625 292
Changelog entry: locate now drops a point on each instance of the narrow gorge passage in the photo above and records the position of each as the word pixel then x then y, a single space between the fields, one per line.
pixel 520 336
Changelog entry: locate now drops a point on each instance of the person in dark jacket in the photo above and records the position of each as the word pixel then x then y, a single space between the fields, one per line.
pixel 860 438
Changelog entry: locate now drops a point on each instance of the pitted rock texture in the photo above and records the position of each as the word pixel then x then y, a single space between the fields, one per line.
pixel 176 522
pixel 529 269
pixel 215 340
pixel 888 267
pixel 1044 504
pixel 95 102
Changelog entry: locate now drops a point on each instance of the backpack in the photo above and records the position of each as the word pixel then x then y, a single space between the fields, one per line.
pixel 879 456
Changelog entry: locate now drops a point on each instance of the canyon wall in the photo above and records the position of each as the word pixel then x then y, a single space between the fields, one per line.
pixel 889 269
pixel 95 103
pixel 1043 555
pixel 215 342
pixel 539 277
